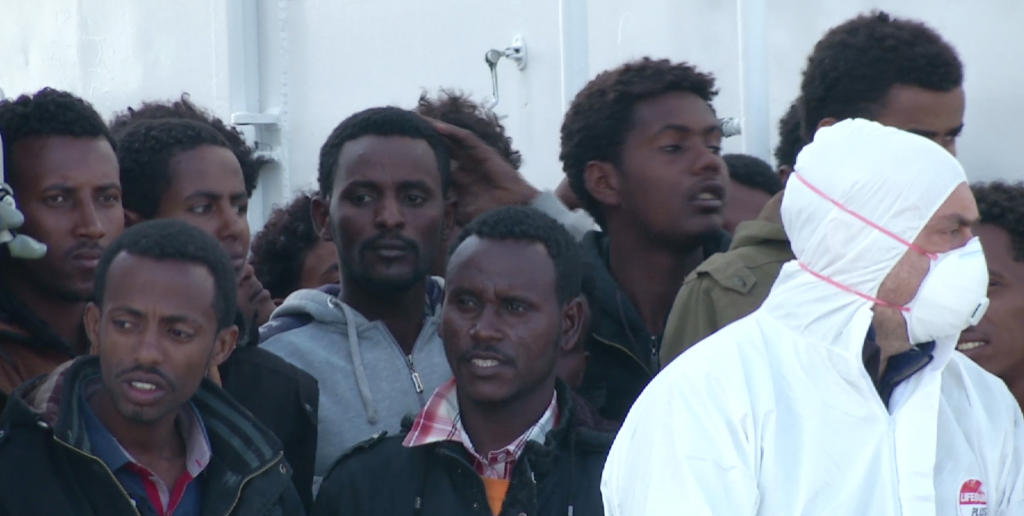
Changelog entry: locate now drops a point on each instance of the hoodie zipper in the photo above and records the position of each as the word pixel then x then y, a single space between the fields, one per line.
pixel 105 468
pixel 416 380
pixel 626 351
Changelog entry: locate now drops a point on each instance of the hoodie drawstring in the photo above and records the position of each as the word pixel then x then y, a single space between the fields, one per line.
pixel 357 364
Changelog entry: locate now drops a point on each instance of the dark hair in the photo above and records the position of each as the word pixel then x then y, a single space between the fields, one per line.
pixel 1001 204
pixel 380 121
pixel 48 112
pixel 279 250
pixel 456 108
pixel 753 172
pixel 853 67
pixel 791 140
pixel 529 225
pixel 145 150
pixel 184 109
pixel 601 115
pixel 173 240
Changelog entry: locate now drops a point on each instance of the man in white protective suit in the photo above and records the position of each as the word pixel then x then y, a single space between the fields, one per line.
pixel 843 394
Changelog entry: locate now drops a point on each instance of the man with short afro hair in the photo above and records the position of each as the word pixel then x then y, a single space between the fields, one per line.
pixel 894 71
pixel 59 160
pixel 640 148
pixel 995 343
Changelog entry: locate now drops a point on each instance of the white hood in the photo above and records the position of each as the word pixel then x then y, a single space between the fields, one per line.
pixel 893 178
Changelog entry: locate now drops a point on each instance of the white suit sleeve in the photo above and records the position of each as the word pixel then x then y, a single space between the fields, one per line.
pixel 1012 478
pixel 687 447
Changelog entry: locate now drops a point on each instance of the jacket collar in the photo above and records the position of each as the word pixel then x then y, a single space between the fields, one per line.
pixel 241 445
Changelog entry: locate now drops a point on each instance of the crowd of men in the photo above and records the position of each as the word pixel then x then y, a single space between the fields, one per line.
pixel 426 333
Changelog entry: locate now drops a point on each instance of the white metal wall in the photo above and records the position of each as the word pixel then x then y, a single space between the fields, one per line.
pixel 321 60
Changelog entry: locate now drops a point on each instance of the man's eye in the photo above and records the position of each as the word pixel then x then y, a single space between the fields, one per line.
pixel 360 198
pixel 243 209
pixel 672 149
pixel 122 324
pixel 201 209
pixel 56 199
pixel 515 307
pixel 415 199
pixel 180 334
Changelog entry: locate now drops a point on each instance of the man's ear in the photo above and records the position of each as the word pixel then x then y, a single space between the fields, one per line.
pixel 93 316
pixel 224 345
pixel 602 181
pixel 320 210
pixel 131 218
pixel 575 319
pixel 825 122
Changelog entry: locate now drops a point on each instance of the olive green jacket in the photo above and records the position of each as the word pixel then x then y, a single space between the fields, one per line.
pixel 728 286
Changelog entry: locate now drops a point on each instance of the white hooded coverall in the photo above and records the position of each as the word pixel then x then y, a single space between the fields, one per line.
pixel 776 413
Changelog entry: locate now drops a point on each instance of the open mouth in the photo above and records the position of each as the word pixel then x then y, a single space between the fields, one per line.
pixel 710 196
pixel 969 345
pixel 483 362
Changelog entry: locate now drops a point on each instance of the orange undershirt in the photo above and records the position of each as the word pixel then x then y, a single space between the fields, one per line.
pixel 496 489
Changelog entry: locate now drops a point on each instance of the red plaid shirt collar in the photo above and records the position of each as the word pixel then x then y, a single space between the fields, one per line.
pixel 440 421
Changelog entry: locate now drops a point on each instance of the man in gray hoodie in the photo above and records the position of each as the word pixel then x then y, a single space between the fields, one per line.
pixel 372 342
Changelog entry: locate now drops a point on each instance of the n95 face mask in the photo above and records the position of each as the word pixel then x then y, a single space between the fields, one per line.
pixel 952 297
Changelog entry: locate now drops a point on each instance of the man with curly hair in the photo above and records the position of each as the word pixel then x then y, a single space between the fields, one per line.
pixel 59 159
pixel 894 71
pixel 640 148
pixel 289 254
pixel 995 343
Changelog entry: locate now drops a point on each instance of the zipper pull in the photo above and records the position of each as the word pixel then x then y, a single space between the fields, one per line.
pixel 416 380
pixel 655 362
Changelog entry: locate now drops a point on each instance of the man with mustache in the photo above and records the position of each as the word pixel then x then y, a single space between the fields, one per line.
pixel 372 343
pixel 186 170
pixel 506 435
pixel 136 429
pixel 59 160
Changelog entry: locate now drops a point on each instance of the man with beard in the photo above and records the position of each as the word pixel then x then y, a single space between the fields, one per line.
pixel 60 162
pixel 373 343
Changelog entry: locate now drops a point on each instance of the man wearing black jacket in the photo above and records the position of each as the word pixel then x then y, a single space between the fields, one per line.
pixel 504 436
pixel 138 429
pixel 640 148
pixel 186 170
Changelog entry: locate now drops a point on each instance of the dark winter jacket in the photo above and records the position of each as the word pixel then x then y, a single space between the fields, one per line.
pixel 282 397
pixel 46 468
pixel 624 356
pixel 28 347
pixel 381 477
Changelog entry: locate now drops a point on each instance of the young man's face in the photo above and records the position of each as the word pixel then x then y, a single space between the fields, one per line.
pixel 69 190
pixel 387 213
pixel 672 181
pixel 502 325
pixel 208 191
pixel 156 335
pixel 995 343
pixel 936 115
